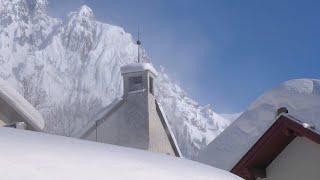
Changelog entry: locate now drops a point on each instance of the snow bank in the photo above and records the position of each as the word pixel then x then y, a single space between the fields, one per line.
pixel 37 156
pixel 302 99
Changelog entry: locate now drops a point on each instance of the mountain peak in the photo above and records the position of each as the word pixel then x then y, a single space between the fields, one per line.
pixel 80 30
pixel 83 15
pixel 85 11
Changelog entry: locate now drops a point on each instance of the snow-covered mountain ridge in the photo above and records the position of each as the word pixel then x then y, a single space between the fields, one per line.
pixel 70 69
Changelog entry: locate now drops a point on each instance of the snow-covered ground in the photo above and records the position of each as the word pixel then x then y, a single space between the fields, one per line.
pixel 300 96
pixel 70 70
pixel 37 156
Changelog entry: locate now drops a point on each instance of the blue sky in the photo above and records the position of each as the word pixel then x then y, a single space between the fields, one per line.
pixel 222 52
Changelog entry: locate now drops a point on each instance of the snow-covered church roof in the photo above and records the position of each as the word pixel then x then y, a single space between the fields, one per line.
pixel 21 106
pixel 300 96
pixel 38 156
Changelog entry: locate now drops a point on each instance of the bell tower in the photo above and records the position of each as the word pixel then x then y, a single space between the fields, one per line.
pixel 138 96
pixel 138 78
pixel 137 119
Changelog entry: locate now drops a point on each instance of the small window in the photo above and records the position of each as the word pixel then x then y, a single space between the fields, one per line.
pixel 135 83
pixel 151 85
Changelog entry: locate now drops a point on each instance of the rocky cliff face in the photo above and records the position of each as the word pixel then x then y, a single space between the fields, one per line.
pixel 70 69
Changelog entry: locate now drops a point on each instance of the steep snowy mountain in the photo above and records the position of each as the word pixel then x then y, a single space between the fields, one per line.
pixel 70 69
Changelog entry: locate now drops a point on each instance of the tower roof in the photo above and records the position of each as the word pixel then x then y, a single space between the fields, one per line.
pixel 138 67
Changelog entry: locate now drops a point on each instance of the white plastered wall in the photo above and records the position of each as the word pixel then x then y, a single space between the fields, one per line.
pixel 158 141
pixel 300 160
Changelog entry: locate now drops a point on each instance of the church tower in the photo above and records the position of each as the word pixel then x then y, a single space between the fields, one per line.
pixel 138 97
pixel 137 119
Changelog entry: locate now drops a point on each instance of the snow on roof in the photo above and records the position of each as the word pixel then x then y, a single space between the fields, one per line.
pixel 300 96
pixel 137 67
pixel 38 156
pixel 21 106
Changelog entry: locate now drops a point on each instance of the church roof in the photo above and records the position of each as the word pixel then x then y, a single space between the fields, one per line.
pixel 102 114
pixel 21 106
pixel 137 67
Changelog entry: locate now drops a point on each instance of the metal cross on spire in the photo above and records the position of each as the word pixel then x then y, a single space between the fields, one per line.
pixel 138 43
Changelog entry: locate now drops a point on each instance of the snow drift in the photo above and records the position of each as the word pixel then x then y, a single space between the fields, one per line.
pixel 37 156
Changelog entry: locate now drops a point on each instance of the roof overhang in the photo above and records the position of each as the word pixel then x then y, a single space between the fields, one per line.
pixel 21 106
pixel 138 67
pixel 254 163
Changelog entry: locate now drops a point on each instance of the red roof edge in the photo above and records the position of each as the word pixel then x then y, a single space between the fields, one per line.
pixel 254 163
